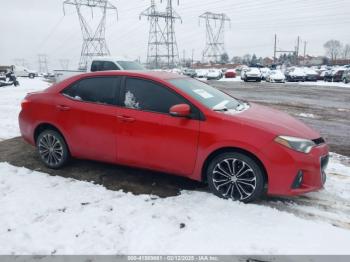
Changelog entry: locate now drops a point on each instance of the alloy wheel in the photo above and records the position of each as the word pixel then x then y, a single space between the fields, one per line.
pixel 234 178
pixel 51 150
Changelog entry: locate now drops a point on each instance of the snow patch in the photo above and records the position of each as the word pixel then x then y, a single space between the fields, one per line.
pixel 306 115
pixel 10 104
pixel 42 214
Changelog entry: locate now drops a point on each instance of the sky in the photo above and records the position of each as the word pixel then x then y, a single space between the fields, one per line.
pixel 37 27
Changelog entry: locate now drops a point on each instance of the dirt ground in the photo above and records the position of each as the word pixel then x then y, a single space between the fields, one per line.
pixel 18 153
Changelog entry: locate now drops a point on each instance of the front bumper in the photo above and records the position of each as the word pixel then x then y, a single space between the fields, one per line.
pixel 284 164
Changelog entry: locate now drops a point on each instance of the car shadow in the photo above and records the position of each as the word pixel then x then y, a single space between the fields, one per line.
pixel 114 177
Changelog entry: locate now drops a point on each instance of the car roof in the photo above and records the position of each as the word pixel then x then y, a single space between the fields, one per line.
pixel 137 73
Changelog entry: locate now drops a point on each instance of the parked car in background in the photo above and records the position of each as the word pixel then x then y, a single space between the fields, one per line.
pixel 334 76
pixel 241 149
pixel 103 63
pixel 189 72
pixel 264 72
pixel 321 74
pixel 230 73
pixel 214 74
pixel 251 74
pixel 275 76
pixel 310 74
pixel 295 74
pixel 201 73
pixel 346 76
pixel 21 71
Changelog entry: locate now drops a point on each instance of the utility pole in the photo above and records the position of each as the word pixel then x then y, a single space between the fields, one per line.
pixel 297 51
pixel 214 47
pixel 192 58
pixel 275 49
pixel 162 46
pixel 94 41
pixel 305 49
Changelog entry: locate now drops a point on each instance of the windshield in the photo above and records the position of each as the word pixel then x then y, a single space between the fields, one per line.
pixel 205 94
pixel 130 65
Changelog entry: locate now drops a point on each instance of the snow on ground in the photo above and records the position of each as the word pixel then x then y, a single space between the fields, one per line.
pixel 41 214
pixel 323 83
pixel 307 115
pixel 11 98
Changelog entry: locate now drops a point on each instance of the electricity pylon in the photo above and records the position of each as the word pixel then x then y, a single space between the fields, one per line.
pixel 162 46
pixel 94 41
pixel 43 63
pixel 215 29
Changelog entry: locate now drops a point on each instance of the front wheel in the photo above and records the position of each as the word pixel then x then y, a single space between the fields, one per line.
pixel 52 149
pixel 236 176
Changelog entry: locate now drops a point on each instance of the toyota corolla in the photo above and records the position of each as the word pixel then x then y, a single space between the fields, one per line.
pixel 178 125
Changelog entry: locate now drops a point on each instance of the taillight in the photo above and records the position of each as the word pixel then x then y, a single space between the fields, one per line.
pixel 24 104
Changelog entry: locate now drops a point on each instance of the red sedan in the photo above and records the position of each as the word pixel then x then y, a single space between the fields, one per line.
pixel 178 125
pixel 230 73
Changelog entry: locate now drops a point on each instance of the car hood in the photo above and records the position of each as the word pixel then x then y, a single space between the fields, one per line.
pixel 275 122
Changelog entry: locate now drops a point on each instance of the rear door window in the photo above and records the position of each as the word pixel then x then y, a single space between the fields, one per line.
pixel 102 90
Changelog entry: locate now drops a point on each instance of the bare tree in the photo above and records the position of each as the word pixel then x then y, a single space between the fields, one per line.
pixel 333 49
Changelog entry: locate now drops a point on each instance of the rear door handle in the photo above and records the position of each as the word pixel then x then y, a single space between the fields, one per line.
pixel 126 118
pixel 62 107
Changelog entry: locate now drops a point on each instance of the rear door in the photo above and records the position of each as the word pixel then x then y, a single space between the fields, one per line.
pixel 87 112
pixel 148 136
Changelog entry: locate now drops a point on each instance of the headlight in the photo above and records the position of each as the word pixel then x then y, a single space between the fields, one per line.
pixel 298 144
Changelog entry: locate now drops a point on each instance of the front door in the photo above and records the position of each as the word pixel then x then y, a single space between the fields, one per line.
pixel 148 136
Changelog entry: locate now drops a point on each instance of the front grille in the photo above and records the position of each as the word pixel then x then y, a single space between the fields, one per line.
pixel 319 141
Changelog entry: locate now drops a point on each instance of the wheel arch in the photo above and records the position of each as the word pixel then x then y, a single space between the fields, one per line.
pixel 47 126
pixel 219 151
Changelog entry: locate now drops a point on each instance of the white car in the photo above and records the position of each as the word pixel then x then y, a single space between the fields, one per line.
pixel 295 74
pixel 21 71
pixel 201 73
pixel 275 76
pixel 103 63
pixel 264 72
pixel 251 74
pixel 214 74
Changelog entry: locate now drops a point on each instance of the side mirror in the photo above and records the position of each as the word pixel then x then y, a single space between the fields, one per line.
pixel 180 110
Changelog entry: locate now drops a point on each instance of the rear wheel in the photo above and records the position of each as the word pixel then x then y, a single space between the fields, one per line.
pixel 236 176
pixel 52 149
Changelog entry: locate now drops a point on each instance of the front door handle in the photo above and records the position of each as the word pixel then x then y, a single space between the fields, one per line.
pixel 62 107
pixel 126 118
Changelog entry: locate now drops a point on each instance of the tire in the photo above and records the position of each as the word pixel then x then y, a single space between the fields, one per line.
pixel 52 149
pixel 31 76
pixel 227 183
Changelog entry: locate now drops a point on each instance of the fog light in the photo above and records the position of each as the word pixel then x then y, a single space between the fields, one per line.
pixel 298 180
